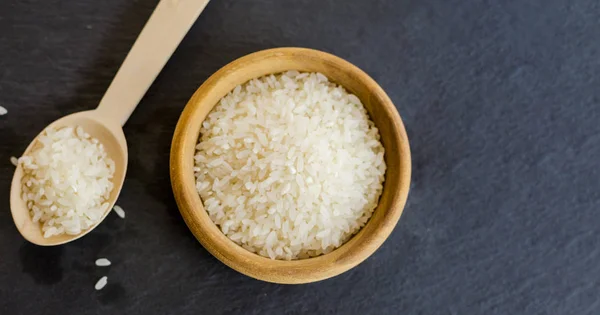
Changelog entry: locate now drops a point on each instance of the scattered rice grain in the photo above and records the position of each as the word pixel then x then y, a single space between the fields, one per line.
pixel 119 211
pixel 101 283
pixel 102 262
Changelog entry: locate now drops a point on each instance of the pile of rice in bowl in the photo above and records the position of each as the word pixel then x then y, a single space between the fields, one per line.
pixel 289 166
pixel 66 181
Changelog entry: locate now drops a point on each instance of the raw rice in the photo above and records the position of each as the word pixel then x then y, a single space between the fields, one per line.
pixel 3 111
pixel 66 181
pixel 102 262
pixel 119 211
pixel 289 166
pixel 14 161
pixel 101 283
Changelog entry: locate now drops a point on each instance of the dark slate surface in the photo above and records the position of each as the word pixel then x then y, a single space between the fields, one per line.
pixel 501 100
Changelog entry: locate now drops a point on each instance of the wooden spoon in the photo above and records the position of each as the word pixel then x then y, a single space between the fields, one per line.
pixel 163 32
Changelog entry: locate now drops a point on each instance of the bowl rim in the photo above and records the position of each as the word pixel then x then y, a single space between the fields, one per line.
pixel 209 235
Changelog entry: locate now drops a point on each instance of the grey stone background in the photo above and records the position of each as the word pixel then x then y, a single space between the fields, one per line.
pixel 501 100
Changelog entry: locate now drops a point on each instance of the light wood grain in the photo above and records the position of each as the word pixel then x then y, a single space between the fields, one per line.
pixel 161 35
pixel 382 112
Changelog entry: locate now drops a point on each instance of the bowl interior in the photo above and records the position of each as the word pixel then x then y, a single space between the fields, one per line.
pixel 382 112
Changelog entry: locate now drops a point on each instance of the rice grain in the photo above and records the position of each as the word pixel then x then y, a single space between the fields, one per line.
pixel 119 211
pixel 102 262
pixel 289 166
pixel 66 181
pixel 101 283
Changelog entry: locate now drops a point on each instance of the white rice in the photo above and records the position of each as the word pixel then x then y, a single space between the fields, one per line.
pixel 289 166
pixel 102 262
pixel 66 181
pixel 3 111
pixel 119 211
pixel 14 161
pixel 101 283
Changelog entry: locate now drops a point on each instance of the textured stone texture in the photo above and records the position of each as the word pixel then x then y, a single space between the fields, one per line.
pixel 501 100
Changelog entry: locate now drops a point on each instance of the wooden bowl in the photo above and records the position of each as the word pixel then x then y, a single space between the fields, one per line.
pixel 382 112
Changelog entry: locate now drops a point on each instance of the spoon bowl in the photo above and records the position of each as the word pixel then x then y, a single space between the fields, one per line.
pixel 110 135
pixel 161 35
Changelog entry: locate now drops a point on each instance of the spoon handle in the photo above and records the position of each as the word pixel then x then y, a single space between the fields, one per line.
pixel 161 35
